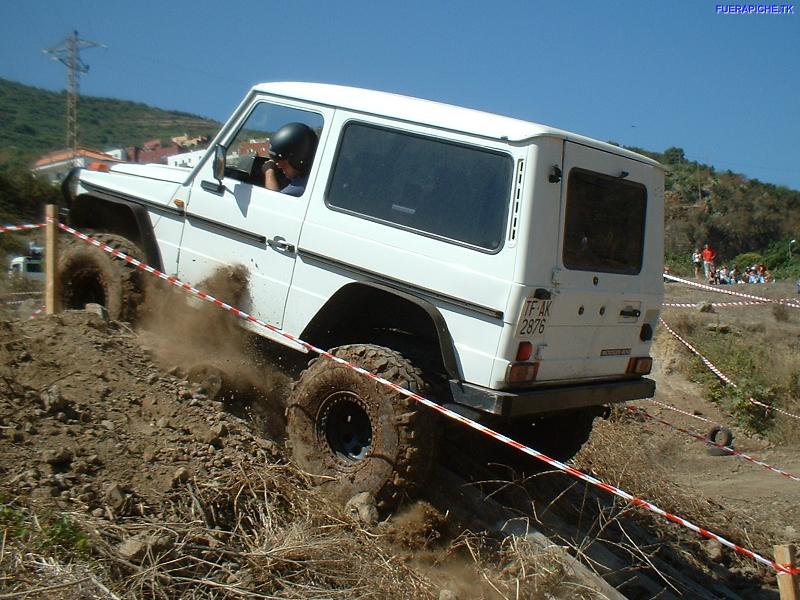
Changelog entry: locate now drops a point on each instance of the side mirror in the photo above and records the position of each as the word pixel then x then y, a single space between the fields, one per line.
pixel 219 162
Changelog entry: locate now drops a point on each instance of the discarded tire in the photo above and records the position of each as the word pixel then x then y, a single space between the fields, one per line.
pixel 722 436
pixel 357 435
pixel 89 275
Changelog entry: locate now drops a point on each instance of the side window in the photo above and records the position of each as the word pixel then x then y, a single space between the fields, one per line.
pixel 249 148
pixel 444 189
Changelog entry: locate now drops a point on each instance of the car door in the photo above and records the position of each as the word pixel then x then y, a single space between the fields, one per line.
pixel 237 221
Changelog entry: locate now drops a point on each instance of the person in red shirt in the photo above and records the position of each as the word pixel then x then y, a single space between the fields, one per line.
pixel 709 257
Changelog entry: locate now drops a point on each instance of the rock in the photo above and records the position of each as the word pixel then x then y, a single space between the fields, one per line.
pixel 97 309
pixel 152 378
pixel 210 435
pixel 52 400
pixel 60 456
pixel 132 549
pixel 163 422
pixel 15 435
pixel 362 508
pixel 108 424
pixel 447 595
pixel 718 328
pixel 181 475
pixel 705 307
pixel 713 550
pixel 114 496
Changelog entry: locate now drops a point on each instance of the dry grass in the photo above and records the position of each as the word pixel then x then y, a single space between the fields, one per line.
pixel 258 533
pixel 643 474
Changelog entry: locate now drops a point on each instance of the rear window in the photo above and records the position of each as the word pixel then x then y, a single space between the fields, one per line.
pixel 604 223
pixel 442 189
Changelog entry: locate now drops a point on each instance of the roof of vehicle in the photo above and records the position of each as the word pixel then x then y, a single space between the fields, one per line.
pixel 437 114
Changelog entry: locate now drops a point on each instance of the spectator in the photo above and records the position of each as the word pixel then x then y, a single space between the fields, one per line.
pixel 733 276
pixel 764 276
pixel 724 276
pixel 709 258
pixel 697 262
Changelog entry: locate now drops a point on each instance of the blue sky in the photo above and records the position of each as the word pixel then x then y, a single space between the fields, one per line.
pixel 641 73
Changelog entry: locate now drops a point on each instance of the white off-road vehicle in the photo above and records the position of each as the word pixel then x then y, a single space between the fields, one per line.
pixel 508 270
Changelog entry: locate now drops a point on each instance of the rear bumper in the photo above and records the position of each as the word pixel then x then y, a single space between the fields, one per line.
pixel 549 400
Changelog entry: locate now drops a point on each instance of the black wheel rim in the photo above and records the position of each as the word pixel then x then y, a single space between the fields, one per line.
pixel 347 427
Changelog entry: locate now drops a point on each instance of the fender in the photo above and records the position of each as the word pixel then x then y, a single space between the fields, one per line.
pixel 101 210
pixel 338 306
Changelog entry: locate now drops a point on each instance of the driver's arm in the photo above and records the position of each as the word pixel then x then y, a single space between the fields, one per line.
pixel 270 177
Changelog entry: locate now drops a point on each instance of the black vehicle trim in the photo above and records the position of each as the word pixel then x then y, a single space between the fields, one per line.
pixel 249 235
pixel 403 285
pixel 550 399
pixel 100 191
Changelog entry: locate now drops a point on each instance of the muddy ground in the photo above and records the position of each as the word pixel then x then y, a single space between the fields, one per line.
pixel 170 491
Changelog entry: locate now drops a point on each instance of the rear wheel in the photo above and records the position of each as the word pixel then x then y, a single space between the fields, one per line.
pixel 357 434
pixel 91 275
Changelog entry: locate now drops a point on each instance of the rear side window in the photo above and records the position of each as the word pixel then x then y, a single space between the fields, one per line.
pixel 439 188
pixel 604 223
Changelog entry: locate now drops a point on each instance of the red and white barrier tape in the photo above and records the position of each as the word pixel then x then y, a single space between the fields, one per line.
pixel 722 376
pixel 6 228
pixel 729 292
pixel 715 304
pixel 788 301
pixel 683 412
pixel 442 410
pixel 707 362
pixel 36 313
pixel 705 440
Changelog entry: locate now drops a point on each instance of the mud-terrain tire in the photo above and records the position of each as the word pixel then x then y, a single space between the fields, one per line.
pixel 91 275
pixel 358 435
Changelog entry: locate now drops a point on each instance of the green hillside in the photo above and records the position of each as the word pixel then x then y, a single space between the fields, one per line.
pixel 33 122
pixel 746 220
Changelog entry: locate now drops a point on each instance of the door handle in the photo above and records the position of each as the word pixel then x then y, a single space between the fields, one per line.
pixel 279 243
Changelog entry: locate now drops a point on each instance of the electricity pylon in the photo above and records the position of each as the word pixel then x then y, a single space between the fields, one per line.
pixel 67 53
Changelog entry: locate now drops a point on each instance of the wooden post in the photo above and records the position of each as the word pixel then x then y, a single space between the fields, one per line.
pixel 787 583
pixel 52 289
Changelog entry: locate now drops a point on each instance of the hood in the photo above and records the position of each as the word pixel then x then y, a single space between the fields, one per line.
pixel 153 171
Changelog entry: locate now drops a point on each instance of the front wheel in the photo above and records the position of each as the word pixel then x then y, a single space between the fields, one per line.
pixel 358 435
pixel 91 275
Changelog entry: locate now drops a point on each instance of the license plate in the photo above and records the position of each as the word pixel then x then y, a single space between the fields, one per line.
pixel 533 320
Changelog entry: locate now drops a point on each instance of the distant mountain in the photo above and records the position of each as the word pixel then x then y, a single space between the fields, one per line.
pixel 33 122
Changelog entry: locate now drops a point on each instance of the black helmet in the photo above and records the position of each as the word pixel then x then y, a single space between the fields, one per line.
pixel 296 143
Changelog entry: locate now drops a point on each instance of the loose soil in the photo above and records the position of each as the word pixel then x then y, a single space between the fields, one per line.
pixel 179 481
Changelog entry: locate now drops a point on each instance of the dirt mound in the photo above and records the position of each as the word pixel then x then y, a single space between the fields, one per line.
pixel 120 476
pixel 170 489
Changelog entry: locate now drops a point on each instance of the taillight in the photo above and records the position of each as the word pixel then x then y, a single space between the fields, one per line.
pixel 641 365
pixel 524 351
pixel 522 372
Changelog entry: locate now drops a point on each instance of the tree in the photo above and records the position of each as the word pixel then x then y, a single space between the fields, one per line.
pixel 674 156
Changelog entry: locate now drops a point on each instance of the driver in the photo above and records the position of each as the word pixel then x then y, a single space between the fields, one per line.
pixel 291 151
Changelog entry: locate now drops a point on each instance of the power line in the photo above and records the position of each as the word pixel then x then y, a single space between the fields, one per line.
pixel 67 54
